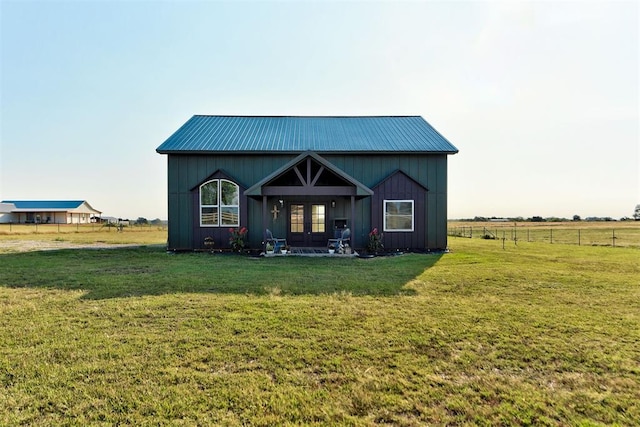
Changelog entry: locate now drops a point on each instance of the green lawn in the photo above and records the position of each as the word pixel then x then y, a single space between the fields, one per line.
pixel 536 334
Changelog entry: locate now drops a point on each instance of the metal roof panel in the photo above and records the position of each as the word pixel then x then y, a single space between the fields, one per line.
pixel 51 206
pixel 299 134
pixel 45 204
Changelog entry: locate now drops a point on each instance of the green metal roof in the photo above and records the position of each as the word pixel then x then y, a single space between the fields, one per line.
pixel 296 134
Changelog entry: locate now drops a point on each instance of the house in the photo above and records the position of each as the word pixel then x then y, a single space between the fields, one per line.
pixel 5 211
pixel 48 212
pixel 306 179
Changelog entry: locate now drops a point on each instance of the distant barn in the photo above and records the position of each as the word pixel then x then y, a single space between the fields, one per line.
pixel 48 212
pixel 306 179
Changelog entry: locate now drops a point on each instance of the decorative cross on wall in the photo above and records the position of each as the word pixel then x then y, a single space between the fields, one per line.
pixel 275 212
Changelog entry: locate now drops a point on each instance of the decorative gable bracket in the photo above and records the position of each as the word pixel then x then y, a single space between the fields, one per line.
pixel 309 174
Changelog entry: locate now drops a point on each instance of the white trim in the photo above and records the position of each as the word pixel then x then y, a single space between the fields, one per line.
pixel 201 206
pixel 384 216
pixel 218 204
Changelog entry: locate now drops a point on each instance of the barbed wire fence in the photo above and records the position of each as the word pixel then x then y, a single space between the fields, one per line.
pixel 39 228
pixel 587 236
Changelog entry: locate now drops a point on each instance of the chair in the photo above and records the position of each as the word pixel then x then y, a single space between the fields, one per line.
pixel 345 238
pixel 277 242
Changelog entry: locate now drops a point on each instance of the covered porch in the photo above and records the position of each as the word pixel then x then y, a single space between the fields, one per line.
pixel 307 202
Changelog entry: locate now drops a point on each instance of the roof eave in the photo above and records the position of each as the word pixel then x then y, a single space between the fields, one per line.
pixel 25 210
pixel 296 152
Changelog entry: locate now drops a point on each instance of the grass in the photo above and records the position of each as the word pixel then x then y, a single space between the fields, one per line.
pixel 80 234
pixel 536 334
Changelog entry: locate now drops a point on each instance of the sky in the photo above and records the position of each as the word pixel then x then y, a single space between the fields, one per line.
pixel 542 98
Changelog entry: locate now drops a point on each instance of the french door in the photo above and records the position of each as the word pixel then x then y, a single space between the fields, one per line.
pixel 307 224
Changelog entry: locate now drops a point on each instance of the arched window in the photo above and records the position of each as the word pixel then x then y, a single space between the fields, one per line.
pixel 219 204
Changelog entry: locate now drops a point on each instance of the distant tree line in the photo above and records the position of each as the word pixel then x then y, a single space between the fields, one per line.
pixel 543 219
pixel 144 221
pixel 140 221
pixel 636 216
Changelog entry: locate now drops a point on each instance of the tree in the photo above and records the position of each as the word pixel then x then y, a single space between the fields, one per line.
pixel 141 221
pixel 576 218
pixel 636 214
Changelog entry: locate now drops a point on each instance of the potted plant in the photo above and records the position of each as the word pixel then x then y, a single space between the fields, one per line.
pixel 375 245
pixel 269 248
pixel 332 248
pixel 236 238
pixel 285 249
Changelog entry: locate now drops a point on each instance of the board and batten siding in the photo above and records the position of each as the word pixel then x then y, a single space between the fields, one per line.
pixel 399 186
pixel 429 170
pixel 186 171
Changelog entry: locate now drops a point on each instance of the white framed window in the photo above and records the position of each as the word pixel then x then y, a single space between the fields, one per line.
pixel 398 215
pixel 219 204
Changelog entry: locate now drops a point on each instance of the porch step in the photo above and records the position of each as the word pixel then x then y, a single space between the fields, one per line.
pixel 306 251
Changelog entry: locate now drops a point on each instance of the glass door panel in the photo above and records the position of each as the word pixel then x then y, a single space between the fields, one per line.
pixel 318 219
pixel 296 219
